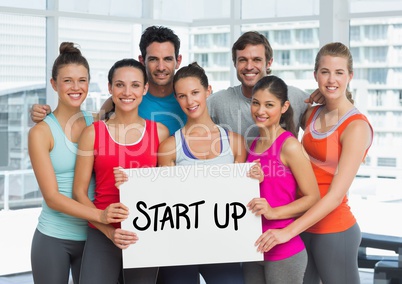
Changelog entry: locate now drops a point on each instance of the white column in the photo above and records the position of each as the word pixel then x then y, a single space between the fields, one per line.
pixel 52 50
pixel 334 21
pixel 235 32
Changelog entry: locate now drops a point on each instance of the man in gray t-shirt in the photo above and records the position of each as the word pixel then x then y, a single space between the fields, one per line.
pixel 230 108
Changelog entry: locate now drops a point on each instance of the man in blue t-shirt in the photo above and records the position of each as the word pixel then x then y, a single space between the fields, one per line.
pixel 159 48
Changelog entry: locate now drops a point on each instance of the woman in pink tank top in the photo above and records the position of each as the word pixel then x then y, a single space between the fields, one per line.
pixel 282 168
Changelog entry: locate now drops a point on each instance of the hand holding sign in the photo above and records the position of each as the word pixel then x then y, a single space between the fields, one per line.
pixel 171 212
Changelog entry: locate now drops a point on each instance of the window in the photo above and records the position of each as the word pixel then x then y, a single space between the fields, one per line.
pixel 377 53
pixel 201 40
pixel 202 59
pixel 377 76
pixel 282 37
pixel 304 36
pixel 221 40
pixel 356 54
pixel 386 162
pixel 304 56
pixel 221 59
pixel 376 32
pixel 355 33
pixel 282 57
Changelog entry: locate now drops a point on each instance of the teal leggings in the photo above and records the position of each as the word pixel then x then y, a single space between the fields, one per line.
pixel 332 257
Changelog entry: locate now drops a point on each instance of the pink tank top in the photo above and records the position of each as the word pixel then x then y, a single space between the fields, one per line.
pixel 278 188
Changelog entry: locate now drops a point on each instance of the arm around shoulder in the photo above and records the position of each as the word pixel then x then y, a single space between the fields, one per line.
pixel 163 132
pixel 238 145
pixel 84 166
pixel 167 152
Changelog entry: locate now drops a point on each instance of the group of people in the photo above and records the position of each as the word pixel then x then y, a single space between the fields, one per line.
pixel 159 117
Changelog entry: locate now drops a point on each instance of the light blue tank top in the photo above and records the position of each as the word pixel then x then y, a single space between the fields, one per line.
pixel 63 156
pixel 185 158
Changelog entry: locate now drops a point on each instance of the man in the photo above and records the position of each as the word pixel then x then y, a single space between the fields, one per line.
pixel 252 57
pixel 159 48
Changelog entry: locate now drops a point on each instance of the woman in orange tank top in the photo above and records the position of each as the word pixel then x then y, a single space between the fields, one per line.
pixel 337 137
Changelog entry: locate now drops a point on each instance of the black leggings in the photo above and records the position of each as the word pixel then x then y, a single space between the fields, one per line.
pixel 52 258
pixel 102 263
pixel 332 257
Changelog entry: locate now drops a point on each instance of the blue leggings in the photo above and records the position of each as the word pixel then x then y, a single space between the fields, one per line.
pixel 332 258
pixel 52 258
pixel 220 273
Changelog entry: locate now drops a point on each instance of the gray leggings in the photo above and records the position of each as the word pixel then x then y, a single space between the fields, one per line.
pixel 332 257
pixel 52 258
pixel 102 263
pixel 289 270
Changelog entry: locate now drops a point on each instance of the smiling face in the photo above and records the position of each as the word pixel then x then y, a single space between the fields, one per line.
pixel 266 109
pixel 192 96
pixel 251 65
pixel 71 84
pixel 332 76
pixel 127 88
pixel 161 63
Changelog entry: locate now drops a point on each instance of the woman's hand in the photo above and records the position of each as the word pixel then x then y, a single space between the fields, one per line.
pixel 123 239
pixel 256 171
pixel 271 238
pixel 260 206
pixel 120 177
pixel 114 213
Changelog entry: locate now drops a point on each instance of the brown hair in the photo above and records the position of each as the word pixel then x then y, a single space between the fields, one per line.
pixel 192 70
pixel 253 38
pixel 69 54
pixel 336 49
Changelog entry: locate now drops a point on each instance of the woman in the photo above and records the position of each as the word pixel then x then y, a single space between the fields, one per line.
pixel 282 169
pixel 337 137
pixel 123 139
pixel 60 236
pixel 203 142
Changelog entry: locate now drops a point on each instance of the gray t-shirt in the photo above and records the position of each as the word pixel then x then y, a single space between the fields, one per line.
pixel 231 109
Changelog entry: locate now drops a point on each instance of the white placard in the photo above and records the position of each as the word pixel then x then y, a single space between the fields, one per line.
pixel 190 215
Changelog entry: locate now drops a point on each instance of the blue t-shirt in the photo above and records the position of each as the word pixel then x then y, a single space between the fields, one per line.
pixel 165 110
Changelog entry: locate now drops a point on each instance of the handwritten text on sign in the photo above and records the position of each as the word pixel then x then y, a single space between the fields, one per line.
pixel 190 215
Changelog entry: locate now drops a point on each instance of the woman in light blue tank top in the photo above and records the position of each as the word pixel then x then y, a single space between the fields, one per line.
pixel 200 141
pixel 60 236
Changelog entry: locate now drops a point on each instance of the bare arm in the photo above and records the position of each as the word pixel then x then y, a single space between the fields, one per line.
pixel 82 177
pixel 238 145
pixel 167 153
pixel 355 140
pixel 163 132
pixel 39 112
pixel 40 143
pixel 293 156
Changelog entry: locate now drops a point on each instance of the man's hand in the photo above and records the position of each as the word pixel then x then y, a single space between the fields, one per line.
pixel 315 97
pixel 39 112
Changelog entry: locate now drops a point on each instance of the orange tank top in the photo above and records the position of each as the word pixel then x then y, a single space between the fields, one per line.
pixel 324 150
